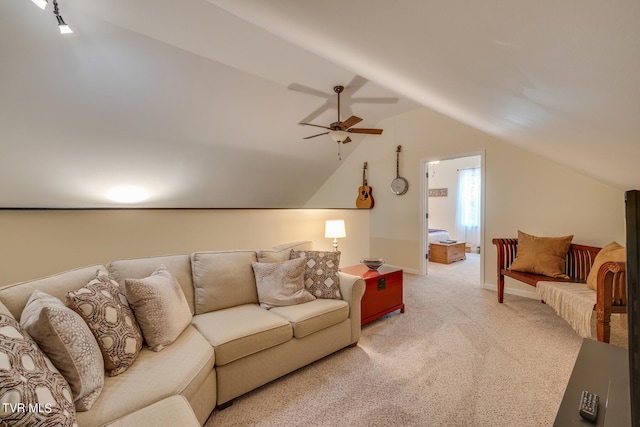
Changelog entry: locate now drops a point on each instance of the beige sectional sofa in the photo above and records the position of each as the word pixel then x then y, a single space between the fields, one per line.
pixel 231 346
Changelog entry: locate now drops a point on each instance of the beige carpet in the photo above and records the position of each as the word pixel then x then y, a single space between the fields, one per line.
pixel 455 358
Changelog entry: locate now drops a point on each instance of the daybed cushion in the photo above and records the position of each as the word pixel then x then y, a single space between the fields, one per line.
pixel 281 283
pixel 223 279
pixel 15 296
pixel 313 316
pixel 27 376
pixel 104 307
pixel 159 306
pixel 68 342
pixel 172 411
pixel 611 252
pixel 137 268
pixel 239 331
pixel 182 368
pixel 574 302
pixel 542 255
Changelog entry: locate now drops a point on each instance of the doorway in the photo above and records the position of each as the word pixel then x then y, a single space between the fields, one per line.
pixel 453 203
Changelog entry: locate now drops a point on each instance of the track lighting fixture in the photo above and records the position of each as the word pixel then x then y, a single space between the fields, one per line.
pixel 42 4
pixel 64 28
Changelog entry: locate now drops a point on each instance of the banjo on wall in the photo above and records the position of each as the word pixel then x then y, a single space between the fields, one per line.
pixel 399 185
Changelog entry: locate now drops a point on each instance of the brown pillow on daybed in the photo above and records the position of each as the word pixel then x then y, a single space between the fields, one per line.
pixel 611 252
pixel 542 255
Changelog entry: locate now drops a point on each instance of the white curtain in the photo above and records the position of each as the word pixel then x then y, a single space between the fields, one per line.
pixel 468 207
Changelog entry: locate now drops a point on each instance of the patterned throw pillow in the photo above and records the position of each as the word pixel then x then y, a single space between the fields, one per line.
pixel 65 338
pixel 281 283
pixel 160 307
pixel 321 276
pixel 105 309
pixel 32 391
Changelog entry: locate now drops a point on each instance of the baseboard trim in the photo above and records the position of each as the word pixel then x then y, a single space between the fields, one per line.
pixel 405 270
pixel 507 290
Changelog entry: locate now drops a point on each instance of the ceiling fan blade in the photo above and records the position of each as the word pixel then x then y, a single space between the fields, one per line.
pixel 375 100
pixel 350 122
pixel 365 130
pixel 318 126
pixel 313 136
pixel 346 141
pixel 309 90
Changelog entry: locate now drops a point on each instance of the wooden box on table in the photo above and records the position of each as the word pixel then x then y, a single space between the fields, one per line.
pixel 446 253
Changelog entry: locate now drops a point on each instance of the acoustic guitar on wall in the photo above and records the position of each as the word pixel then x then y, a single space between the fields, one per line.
pixel 365 199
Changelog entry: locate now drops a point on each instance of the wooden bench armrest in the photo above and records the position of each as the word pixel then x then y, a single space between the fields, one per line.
pixel 507 249
pixel 611 296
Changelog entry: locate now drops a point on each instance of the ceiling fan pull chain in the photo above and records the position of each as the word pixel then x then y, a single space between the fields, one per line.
pixel 339 156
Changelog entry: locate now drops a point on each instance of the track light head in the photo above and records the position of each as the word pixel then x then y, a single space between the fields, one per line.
pixel 42 4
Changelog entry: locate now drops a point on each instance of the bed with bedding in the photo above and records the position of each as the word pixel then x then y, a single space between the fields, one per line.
pixel 437 235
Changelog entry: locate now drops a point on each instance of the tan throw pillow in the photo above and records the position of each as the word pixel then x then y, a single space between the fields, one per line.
pixel 281 283
pixel 160 307
pixel 32 391
pixel 105 309
pixel 66 339
pixel 321 276
pixel 611 252
pixel 542 255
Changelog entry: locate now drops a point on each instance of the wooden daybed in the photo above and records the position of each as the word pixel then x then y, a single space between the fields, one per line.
pixel 611 279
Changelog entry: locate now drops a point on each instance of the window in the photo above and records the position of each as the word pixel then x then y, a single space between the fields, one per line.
pixel 468 206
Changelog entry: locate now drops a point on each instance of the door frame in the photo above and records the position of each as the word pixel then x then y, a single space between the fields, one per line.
pixel 424 208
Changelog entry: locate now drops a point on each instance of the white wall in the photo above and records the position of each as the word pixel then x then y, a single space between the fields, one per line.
pixel 522 190
pixel 42 242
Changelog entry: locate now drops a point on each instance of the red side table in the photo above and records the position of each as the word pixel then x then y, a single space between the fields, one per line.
pixel 383 294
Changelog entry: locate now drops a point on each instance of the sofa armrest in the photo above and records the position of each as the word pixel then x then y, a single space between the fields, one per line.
pixel 352 289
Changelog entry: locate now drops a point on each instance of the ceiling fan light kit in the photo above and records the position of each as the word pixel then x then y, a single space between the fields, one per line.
pixel 339 130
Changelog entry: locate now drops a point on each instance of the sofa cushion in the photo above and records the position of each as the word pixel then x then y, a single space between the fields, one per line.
pixel 313 316
pixel 611 252
pixel 15 296
pixel 223 279
pixel 137 268
pixel 159 306
pixel 321 276
pixel 104 307
pixel 239 331
pixel 182 368
pixel 28 377
pixel 542 255
pixel 5 310
pixel 281 283
pixel 282 252
pixel 172 411
pixel 66 339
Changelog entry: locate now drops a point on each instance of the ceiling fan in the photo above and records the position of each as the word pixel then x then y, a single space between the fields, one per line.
pixel 339 131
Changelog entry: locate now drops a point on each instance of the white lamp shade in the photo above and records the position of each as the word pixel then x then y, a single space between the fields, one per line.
pixel 334 228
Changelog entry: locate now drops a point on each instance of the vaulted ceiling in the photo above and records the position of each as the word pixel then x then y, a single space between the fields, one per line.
pixel 199 101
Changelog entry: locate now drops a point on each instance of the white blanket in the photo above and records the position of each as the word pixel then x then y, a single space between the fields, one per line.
pixel 574 302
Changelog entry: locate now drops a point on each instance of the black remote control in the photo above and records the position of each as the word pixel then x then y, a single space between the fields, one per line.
pixel 589 406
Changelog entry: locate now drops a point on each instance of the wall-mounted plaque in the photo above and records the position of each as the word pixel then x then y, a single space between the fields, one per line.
pixel 438 192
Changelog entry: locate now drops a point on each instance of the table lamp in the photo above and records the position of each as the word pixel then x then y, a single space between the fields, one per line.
pixel 333 229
